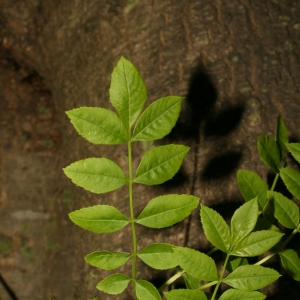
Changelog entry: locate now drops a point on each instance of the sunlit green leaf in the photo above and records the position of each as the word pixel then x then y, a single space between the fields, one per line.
pixel 158 119
pixel 269 152
pixel 285 210
pixel 294 148
pixel 160 164
pixel 281 136
pixel 234 263
pixel 197 264
pixel 185 295
pixel 99 218
pixel 113 284
pixel 127 91
pixel 251 186
pixel 243 221
pixel 167 210
pixel 107 260
pixel 251 277
pixel 97 175
pixel 146 291
pixel 232 294
pixel 98 125
pixel 291 178
pixel 291 263
pixel 257 243
pixel 215 228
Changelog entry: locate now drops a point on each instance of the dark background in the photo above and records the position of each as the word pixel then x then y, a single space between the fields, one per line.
pixel 236 62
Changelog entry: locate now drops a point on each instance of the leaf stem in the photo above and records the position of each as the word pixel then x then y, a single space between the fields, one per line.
pixel 205 286
pixel 221 277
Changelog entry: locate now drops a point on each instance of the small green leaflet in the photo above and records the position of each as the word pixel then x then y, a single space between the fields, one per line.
pixel 251 277
pixel 232 294
pixel 185 295
pixel 191 282
pixel 291 178
pixel 269 152
pixel 281 136
pixel 97 175
pixel 234 263
pixel 107 260
pixel 285 210
pixel 215 228
pixel 167 210
pixel 291 263
pixel 99 218
pixel 263 224
pixel 257 243
pixel 114 284
pixel 146 291
pixel 127 92
pixel 160 164
pixel 294 148
pixel 158 119
pixel 98 125
pixel 251 186
pixel 197 264
pixel 159 256
pixel 243 221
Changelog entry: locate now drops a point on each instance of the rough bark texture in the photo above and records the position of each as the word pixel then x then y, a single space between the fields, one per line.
pixel 236 62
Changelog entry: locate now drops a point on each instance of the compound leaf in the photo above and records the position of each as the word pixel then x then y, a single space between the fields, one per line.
pixel 215 228
pixel 291 178
pixel 251 277
pixel 99 218
pixel 291 263
pixel 251 186
pixel 257 243
pixel 97 175
pixel 160 164
pixel 269 152
pixel 158 119
pixel 285 210
pixel 146 291
pixel 107 260
pixel 197 264
pixel 98 125
pixel 185 295
pixel 232 294
pixel 294 148
pixel 113 284
pixel 281 136
pixel 191 282
pixel 243 221
pixel 128 92
pixel 159 256
pixel 167 210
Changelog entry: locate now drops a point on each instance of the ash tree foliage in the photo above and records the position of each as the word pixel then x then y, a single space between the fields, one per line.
pixel 253 229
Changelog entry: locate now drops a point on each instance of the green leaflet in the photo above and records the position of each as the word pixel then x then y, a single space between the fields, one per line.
pixel 281 136
pixel 257 243
pixel 269 152
pixel 167 210
pixel 263 224
pixel 107 260
pixel 291 178
pixel 197 264
pixel 243 221
pixel 232 294
pixel 159 256
pixel 146 291
pixel 98 125
pixel 234 263
pixel 158 119
pixel 291 263
pixel 215 228
pixel 251 186
pixel 185 295
pixel 251 277
pixel 113 284
pixel 99 218
pixel 285 210
pixel 191 282
pixel 127 91
pixel 160 164
pixel 97 175
pixel 294 148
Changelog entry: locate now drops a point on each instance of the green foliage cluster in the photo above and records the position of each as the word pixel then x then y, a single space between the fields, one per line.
pixel 252 230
